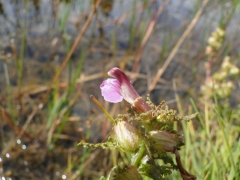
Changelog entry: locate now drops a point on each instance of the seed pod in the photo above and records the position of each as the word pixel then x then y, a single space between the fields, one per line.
pixel 163 140
pixel 127 136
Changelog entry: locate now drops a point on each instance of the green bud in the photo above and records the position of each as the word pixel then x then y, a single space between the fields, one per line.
pixel 212 40
pixel 216 45
pixel 209 50
pixel 226 63
pixel 127 136
pixel 234 71
pixel 140 105
pixel 164 141
pixel 220 32
pixel 221 75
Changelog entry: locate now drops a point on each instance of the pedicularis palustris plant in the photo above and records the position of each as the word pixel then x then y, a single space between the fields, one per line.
pixel 152 144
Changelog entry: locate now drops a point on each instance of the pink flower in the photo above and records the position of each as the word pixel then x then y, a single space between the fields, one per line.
pixel 111 90
pixel 115 90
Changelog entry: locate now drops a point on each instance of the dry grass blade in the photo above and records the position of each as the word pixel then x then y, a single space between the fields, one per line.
pixel 74 46
pixel 29 119
pixel 5 116
pixel 146 36
pixel 93 156
pixel 177 46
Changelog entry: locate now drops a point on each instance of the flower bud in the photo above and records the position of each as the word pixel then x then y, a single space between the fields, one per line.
pixel 221 75
pixel 212 40
pixel 127 136
pixel 140 105
pixel 209 50
pixel 124 172
pixel 226 63
pixel 220 32
pixel 234 71
pixel 164 141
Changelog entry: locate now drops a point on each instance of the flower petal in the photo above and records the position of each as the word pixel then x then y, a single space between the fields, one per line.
pixel 126 88
pixel 110 90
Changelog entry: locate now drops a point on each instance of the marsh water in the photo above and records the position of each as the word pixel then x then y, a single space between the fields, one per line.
pixel 35 38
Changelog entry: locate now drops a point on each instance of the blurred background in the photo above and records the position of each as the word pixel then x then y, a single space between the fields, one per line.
pixel 56 53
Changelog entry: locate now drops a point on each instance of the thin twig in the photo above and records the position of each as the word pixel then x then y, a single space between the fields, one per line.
pixel 146 37
pixel 74 46
pixel 29 119
pixel 177 46
pixel 102 109
pixel 5 116
pixel 83 78
pixel 185 175
pixel 92 157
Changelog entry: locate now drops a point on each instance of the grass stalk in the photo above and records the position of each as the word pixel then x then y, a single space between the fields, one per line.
pixel 9 91
pixel 102 109
pixel 177 46
pixel 132 26
pixel 20 60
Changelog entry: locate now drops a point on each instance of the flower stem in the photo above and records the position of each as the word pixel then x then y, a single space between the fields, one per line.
pixel 102 108
pixel 137 159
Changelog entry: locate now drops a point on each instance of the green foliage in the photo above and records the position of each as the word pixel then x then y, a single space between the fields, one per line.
pixel 110 144
pixel 212 151
pixel 124 172
pixel 157 169
pixel 152 154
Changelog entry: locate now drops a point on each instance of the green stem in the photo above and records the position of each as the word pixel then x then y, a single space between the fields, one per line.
pixel 102 108
pixel 23 44
pixel 137 159
pixel 9 91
